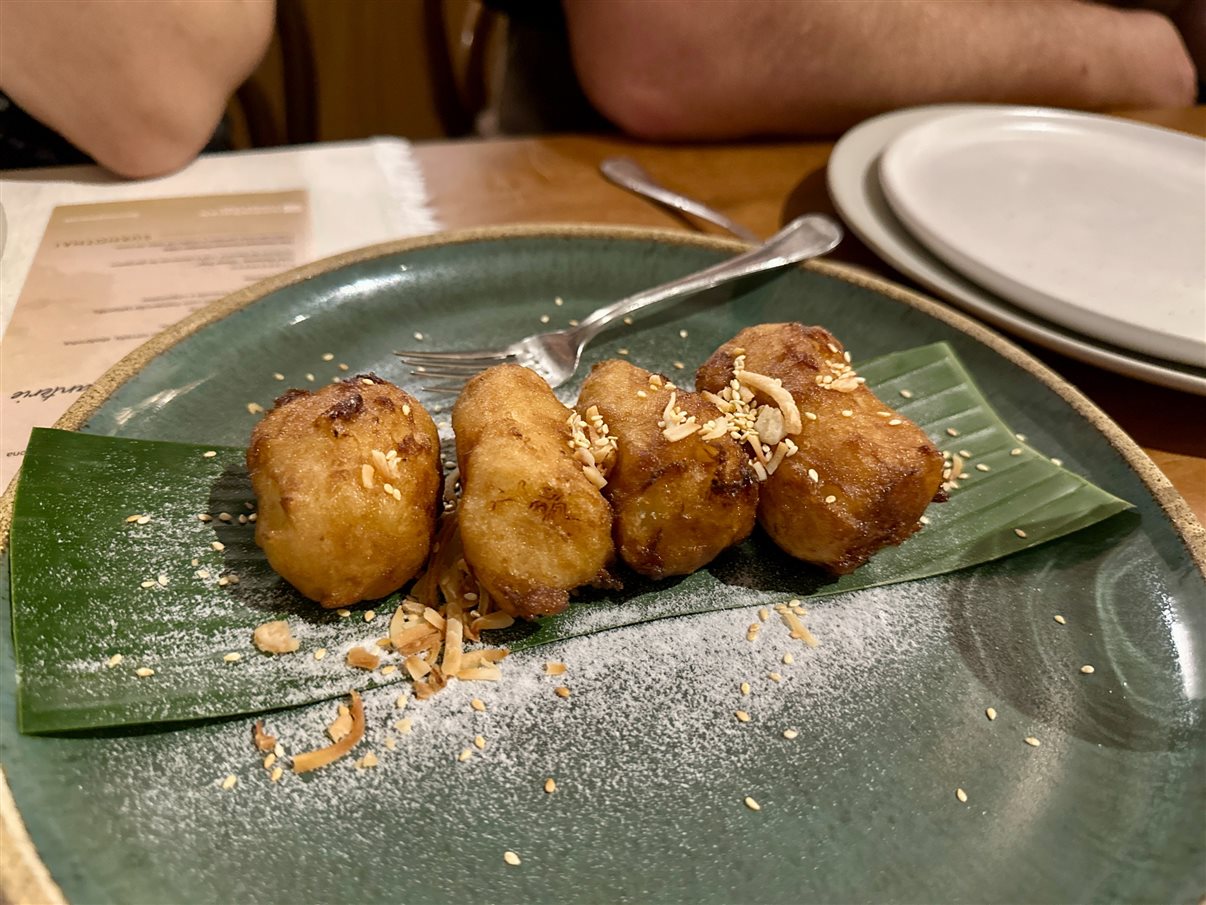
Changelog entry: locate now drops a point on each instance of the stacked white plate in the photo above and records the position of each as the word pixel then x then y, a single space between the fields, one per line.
pixel 1085 234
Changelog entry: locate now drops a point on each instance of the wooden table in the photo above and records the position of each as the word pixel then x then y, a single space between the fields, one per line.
pixel 556 180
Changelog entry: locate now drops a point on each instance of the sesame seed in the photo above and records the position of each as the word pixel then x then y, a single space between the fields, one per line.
pixel 544 318
pixel 751 804
pixel 1032 741
pixel 1060 619
pixel 203 517
pixel 224 516
pixel 641 394
pixel 789 659
pixel 202 574
pixel 811 416
pixel 320 653
pixel 925 519
pixel 961 795
pixel 1021 438
pixel 418 336
pixel 230 782
pixel 388 670
pixel 790 733
pixel 573 323
pixel 277 773
pixel 142 520
pixel 621 351
pixel 558 301
pixel 279 750
pixel 343 613
pixel 775 677
pixel 561 691
pixel 404 726
pixel 310 377
pixel 1019 532
pixel 208 454
pixel 132 518
pixel 232 657
pixel 763 614
pixel 847 413
pixel 894 421
pixel 217 546
pixel 980 466
pixel 144 672
pixel 550 785
pixel 465 754
pixel 342 366
pixel 242 519
pixel 813 476
pixel 146 584
pixel 991 713
pixel 907 394
pixel 478 704
pixel 1058 463
pixel 278 376
pixel 745 687
pixel 1016 451
pixel 742 716
pixel 269 760
pixel 628 320
pixel 370 615
pixel 479 742
pixel 162 580
pixel 254 408
pixel 114 660
pixel 328 356
pixel 682 334
pixel 831 499
pixel 511 858
pixel 1087 670
pixel 391 743
pixel 678 366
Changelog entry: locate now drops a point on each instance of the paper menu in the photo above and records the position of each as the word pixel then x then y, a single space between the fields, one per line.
pixel 106 277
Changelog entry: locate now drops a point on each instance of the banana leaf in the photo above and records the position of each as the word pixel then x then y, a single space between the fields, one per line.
pixel 109 558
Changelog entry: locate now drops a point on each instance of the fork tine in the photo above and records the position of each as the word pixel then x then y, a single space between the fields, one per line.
pixel 491 355
pixel 452 373
pixel 447 389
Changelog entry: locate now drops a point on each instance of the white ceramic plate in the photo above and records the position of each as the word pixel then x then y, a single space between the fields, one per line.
pixel 1096 223
pixel 855 189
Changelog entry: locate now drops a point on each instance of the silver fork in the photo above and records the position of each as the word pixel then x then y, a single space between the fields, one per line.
pixel 628 174
pixel 555 355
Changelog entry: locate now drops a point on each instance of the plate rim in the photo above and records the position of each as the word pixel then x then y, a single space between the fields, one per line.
pixel 978 128
pixel 849 167
pixel 27 878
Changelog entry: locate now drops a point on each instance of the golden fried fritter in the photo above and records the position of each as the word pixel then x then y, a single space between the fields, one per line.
pixel 532 524
pixel 347 481
pixel 863 474
pixel 678 503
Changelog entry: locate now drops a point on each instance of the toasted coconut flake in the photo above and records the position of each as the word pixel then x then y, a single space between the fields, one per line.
pixel 453 647
pixel 341 725
pixel 561 691
pixel 320 757
pixel 480 674
pixel 275 638
pixel 416 666
pixel 362 659
pixel 775 390
pixel 478 704
pixel 553 668
pixel 494 620
pixel 262 740
pixel 676 432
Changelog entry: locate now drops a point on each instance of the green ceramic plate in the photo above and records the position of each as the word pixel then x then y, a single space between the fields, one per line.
pixel 652 768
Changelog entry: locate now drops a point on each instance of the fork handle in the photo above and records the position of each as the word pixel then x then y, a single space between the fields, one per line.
pixel 803 238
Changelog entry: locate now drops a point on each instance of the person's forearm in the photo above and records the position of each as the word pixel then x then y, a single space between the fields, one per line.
pixel 720 69
pixel 139 85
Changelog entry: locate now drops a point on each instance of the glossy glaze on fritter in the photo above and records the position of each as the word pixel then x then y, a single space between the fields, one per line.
pixel 533 525
pixel 347 481
pixel 677 503
pixel 863 474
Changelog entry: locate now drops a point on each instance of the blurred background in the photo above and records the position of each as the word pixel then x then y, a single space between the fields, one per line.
pixel 418 68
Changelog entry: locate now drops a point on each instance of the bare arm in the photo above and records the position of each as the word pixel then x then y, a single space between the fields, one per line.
pixel 139 85
pixel 715 69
